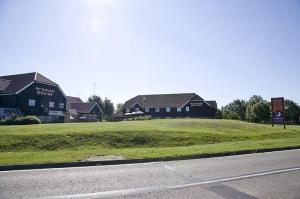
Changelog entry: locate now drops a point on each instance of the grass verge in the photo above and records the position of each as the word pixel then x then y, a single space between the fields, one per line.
pixel 141 139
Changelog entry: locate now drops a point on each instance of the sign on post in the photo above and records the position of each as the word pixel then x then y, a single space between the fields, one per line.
pixel 278 111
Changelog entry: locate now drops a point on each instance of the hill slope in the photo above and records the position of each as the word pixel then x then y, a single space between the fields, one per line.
pixel 153 138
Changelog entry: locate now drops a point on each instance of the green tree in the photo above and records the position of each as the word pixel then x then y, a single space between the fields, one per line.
pixel 258 110
pixel 119 108
pixel 219 114
pixel 292 111
pixel 108 107
pixel 235 110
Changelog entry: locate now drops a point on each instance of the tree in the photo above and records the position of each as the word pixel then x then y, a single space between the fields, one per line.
pixel 258 110
pixel 235 110
pixel 108 107
pixel 292 111
pixel 219 114
pixel 119 108
pixel 98 100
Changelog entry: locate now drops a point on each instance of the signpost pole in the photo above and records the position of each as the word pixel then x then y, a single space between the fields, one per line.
pixel 283 114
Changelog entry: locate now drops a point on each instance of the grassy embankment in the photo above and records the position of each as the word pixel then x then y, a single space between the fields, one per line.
pixel 137 139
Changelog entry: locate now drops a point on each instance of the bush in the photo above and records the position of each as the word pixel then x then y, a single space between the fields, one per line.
pixel 136 118
pixel 21 121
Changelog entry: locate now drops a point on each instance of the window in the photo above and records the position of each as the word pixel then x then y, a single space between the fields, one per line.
pixel 31 102
pixel 187 109
pixel 168 109
pixel 127 110
pixel 156 110
pixel 61 105
pixel 137 109
pixel 147 110
pixel 178 109
pixel 51 104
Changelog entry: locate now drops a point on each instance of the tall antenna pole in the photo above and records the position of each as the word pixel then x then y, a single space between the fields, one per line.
pixel 94 86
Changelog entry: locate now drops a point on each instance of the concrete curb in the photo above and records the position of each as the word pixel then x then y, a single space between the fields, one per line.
pixel 133 161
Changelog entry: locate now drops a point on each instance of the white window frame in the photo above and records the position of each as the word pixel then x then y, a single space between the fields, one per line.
pixel 51 104
pixel 178 109
pixel 157 110
pixel 31 102
pixel 61 105
pixel 147 110
pixel 187 109
pixel 168 109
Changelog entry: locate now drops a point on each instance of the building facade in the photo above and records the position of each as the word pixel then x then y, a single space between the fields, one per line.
pixel 170 105
pixel 33 94
pixel 83 111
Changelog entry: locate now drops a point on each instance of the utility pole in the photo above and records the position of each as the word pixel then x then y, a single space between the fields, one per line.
pixel 94 86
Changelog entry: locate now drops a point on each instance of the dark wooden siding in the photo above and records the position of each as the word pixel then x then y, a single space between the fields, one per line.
pixel 7 101
pixel 96 110
pixel 195 111
pixel 21 100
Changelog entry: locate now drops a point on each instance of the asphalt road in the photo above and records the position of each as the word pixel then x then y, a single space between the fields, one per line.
pixel 267 175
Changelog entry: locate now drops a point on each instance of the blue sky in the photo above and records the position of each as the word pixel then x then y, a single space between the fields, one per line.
pixel 221 50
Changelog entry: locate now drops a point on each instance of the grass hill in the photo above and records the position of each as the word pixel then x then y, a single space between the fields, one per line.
pixel 137 139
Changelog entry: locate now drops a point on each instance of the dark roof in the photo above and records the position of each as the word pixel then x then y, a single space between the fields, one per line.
pixel 84 107
pixel 10 84
pixel 71 99
pixel 3 85
pixel 162 100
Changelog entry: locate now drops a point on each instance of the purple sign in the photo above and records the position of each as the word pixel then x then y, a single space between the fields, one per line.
pixel 277 110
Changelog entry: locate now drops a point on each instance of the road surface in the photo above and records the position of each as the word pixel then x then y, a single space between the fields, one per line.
pixel 266 175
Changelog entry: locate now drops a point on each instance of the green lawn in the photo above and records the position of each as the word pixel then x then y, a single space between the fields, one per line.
pixel 137 139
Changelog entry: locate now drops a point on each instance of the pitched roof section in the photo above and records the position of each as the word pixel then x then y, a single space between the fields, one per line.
pixel 40 78
pixel 84 107
pixel 3 85
pixel 162 100
pixel 71 99
pixel 15 83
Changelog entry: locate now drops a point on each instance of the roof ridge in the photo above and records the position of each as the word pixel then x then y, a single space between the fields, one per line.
pixel 46 78
pixel 17 74
pixel 83 102
pixel 168 94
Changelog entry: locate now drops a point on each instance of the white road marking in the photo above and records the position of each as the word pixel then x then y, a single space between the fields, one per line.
pixel 161 188
pixel 177 173
pixel 169 168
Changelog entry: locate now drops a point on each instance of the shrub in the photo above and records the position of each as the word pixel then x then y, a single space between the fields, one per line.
pixel 21 121
pixel 136 118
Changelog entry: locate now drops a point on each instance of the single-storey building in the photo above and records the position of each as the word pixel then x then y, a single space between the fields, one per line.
pixel 33 94
pixel 84 111
pixel 170 105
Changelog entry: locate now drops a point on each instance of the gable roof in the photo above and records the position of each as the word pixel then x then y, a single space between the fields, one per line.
pixel 84 107
pixel 162 100
pixel 12 84
pixel 71 99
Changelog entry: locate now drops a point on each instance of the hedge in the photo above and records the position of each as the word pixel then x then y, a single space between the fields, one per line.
pixel 21 121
